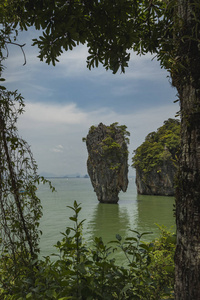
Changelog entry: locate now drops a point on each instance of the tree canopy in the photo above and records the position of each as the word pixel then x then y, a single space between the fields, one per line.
pixel 111 29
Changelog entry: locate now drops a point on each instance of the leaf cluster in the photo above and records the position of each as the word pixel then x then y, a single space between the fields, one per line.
pixel 162 263
pixel 110 29
pixel 159 147
pixel 82 272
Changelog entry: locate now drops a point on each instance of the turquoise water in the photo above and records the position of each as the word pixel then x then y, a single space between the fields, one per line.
pixel 133 211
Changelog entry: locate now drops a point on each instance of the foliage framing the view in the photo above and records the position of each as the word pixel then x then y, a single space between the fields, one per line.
pixel 110 30
pixel 20 208
pixel 171 30
pixel 158 147
pixel 83 272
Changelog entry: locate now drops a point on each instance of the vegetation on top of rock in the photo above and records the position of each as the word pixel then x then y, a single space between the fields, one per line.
pixel 158 147
pixel 109 147
pixel 113 150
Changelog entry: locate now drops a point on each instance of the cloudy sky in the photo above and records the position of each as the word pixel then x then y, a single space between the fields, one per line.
pixel 62 103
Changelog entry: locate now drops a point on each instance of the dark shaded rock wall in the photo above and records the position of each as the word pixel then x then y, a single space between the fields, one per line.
pixel 159 181
pixel 107 162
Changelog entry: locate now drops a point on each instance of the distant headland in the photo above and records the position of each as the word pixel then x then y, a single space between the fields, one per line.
pixel 52 175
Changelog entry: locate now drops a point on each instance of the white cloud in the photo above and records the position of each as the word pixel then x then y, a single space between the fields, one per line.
pixel 58 149
pixel 73 64
pixel 59 114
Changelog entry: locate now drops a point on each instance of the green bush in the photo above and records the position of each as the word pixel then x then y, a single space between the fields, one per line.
pixel 80 272
pixel 162 264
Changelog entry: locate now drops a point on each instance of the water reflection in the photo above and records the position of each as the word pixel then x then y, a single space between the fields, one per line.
pixel 155 209
pixel 108 220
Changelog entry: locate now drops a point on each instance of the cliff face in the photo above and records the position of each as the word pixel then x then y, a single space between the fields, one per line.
pixel 159 181
pixel 107 162
pixel 155 160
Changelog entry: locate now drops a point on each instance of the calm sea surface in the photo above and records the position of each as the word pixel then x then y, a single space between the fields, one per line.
pixel 133 211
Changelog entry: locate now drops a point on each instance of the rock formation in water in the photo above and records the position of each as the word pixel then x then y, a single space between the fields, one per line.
pixel 156 160
pixel 159 181
pixel 107 162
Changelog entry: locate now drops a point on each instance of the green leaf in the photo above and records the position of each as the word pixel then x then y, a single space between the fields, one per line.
pixel 118 237
pixel 144 246
pixel 135 231
pixel 146 233
pixel 126 288
pixel 131 239
pixel 73 219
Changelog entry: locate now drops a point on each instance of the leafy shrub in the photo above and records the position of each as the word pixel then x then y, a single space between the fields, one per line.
pixel 86 273
pixel 162 264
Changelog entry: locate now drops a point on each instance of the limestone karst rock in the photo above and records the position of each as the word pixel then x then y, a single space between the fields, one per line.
pixel 159 181
pixel 155 160
pixel 107 162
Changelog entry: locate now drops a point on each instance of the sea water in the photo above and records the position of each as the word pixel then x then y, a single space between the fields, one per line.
pixel 137 212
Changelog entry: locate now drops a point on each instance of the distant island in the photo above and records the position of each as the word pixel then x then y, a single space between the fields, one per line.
pixel 52 175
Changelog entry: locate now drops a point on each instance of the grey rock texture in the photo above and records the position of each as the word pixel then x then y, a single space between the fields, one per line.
pixel 159 181
pixel 107 162
pixel 156 160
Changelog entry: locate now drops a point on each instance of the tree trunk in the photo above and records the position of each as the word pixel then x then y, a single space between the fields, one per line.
pixel 187 81
pixel 187 258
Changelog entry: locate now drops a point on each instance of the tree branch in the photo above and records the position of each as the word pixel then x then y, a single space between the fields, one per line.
pixel 21 46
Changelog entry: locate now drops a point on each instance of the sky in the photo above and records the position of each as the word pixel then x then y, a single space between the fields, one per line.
pixel 62 102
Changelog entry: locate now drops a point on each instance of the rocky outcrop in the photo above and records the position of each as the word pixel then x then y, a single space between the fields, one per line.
pixel 107 162
pixel 156 160
pixel 158 181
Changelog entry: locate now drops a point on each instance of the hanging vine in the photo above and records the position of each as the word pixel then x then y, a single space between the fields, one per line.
pixel 20 208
